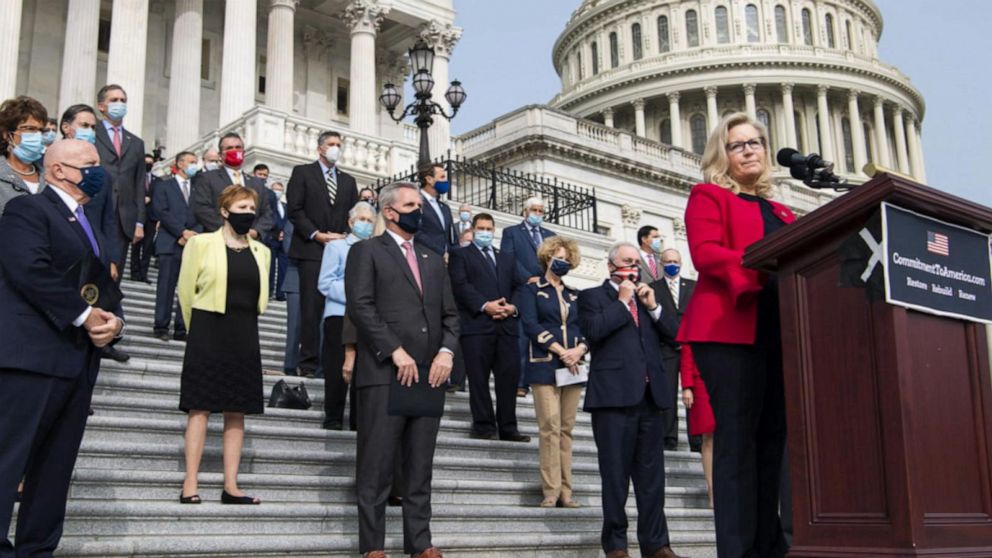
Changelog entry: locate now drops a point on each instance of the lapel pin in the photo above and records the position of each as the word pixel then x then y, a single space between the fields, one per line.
pixel 72 219
pixel 423 256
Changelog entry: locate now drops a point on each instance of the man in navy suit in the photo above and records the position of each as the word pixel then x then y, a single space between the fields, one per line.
pixel 626 394
pixel 48 343
pixel 437 231
pixel 170 202
pixel 482 281
pixel 280 258
pixel 520 243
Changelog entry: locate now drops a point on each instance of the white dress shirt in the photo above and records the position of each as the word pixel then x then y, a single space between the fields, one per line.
pixel 655 314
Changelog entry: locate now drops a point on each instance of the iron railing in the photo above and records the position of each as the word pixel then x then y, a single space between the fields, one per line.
pixel 506 190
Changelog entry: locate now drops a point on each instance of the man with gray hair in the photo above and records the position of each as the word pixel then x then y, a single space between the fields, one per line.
pixel 519 245
pixel 400 301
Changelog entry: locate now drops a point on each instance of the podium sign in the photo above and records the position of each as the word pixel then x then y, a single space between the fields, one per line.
pixel 936 267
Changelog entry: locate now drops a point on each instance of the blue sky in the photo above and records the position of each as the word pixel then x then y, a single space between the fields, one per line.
pixel 504 62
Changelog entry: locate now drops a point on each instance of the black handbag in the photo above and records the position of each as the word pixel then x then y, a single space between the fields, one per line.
pixel 285 397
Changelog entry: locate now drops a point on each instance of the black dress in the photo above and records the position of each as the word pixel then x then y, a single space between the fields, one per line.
pixel 222 368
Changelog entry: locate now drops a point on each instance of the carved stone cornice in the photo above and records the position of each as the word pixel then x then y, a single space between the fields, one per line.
pixel 630 215
pixel 678 224
pixel 441 36
pixel 393 66
pixel 364 16
pixel 316 42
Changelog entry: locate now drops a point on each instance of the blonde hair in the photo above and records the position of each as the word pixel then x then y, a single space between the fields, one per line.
pixel 716 164
pixel 550 246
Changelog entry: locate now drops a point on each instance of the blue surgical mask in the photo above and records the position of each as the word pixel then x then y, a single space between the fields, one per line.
pixel 48 138
pixel 31 147
pixel 535 220
pixel 362 229
pixel 656 245
pixel 191 170
pixel 442 187
pixel 483 239
pixel 672 270
pixel 465 216
pixel 560 267
pixel 94 179
pixel 85 134
pixel 117 110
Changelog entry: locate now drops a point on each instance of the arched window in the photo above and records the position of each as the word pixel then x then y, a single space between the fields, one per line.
pixel 845 128
pixel 578 62
pixel 848 37
pixel 765 118
pixel 697 125
pixel 751 16
pixel 807 27
pixel 666 131
pixel 800 140
pixel 664 43
pixel 594 52
pixel 614 51
pixel 781 25
pixel 831 39
pixel 692 28
pixel 722 25
pixel 635 39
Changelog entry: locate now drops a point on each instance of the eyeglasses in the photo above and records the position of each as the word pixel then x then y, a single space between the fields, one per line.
pixel 28 129
pixel 756 144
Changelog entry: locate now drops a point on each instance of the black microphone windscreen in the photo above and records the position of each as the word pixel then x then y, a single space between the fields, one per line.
pixel 785 156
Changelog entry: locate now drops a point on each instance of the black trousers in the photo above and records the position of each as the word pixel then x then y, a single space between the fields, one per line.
pixel 141 252
pixel 629 447
pixel 380 438
pixel 165 293
pixel 311 310
pixel 748 398
pixel 496 354
pixel 335 389
pixel 671 360
pixel 277 270
pixel 42 419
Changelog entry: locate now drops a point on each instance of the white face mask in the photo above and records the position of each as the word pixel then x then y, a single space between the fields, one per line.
pixel 211 165
pixel 332 154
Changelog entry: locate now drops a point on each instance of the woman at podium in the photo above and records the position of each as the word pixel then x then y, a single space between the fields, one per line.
pixel 732 325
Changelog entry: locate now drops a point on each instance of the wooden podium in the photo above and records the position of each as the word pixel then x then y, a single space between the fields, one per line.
pixel 889 410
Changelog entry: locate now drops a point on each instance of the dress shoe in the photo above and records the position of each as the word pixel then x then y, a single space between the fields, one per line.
pixel 394 502
pixel 622 553
pixel 280 298
pixel 570 504
pixel 179 336
pixel 112 353
pixel 161 334
pixel 432 552
pixel 671 445
pixel 332 425
pixel 481 436
pixel 375 554
pixel 663 552
pixel 515 437
pixel 226 498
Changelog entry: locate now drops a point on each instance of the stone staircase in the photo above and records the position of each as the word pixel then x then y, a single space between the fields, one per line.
pixel 124 499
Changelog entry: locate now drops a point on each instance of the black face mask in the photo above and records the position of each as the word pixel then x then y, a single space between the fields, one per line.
pixel 241 222
pixel 410 222
pixel 148 167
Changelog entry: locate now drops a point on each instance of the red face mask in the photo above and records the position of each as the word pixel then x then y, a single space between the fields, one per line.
pixel 234 158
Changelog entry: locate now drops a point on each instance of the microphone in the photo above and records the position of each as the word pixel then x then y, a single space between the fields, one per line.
pixel 812 169
pixel 788 157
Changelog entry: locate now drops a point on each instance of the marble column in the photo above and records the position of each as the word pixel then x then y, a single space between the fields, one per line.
pixel 126 59
pixel 10 37
pixel 857 131
pixel 78 80
pixel 237 78
pixel 279 56
pixel 183 119
pixel 712 113
pixel 639 127
pixel 749 103
pixel 915 149
pixel 442 37
pixel 823 117
pixel 881 136
pixel 363 17
pixel 900 132
pixel 608 117
pixel 676 117
pixel 790 116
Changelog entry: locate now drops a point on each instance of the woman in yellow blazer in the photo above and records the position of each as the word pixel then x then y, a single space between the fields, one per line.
pixel 223 287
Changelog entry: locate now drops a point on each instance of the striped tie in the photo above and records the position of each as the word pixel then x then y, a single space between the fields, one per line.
pixel 332 185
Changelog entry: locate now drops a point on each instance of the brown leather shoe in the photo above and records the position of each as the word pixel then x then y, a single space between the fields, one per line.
pixel 622 553
pixel 375 554
pixel 432 552
pixel 664 552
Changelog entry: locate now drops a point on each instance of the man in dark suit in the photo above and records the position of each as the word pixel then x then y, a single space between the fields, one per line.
pixel 482 280
pixel 48 342
pixel 520 243
pixel 178 225
pixel 437 232
pixel 649 242
pixel 400 301
pixel 673 293
pixel 141 252
pixel 320 195
pixel 207 187
pixel 280 220
pixel 626 393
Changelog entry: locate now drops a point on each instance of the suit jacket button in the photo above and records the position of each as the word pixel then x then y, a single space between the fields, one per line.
pixel 423 330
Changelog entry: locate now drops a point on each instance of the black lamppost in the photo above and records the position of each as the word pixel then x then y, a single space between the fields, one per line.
pixel 423 108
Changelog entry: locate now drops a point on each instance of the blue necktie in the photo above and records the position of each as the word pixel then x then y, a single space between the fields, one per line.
pixel 85 223
pixel 535 235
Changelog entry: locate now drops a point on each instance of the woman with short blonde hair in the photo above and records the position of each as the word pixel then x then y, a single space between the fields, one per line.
pixel 716 161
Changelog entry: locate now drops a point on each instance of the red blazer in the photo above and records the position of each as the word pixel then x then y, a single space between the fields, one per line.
pixel 720 225
pixel 690 376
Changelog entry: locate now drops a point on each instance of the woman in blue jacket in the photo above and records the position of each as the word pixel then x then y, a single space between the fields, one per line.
pixel 549 312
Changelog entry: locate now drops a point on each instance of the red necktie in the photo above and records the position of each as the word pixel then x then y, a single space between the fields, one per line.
pixel 117 140
pixel 654 266
pixel 632 305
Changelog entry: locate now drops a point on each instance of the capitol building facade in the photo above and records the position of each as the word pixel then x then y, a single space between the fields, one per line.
pixel 642 84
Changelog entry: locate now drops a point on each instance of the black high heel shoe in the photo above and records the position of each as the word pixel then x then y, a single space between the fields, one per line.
pixel 226 498
pixel 194 499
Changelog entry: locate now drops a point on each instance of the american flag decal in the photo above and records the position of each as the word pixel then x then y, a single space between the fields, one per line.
pixel 937 243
